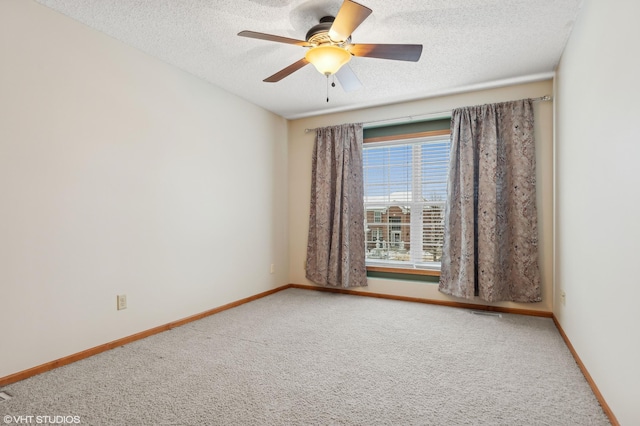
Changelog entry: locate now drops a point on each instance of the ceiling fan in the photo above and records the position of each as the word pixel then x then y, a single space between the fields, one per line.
pixel 330 46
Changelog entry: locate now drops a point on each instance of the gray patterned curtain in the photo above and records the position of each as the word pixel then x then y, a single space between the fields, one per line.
pixel 335 249
pixel 491 233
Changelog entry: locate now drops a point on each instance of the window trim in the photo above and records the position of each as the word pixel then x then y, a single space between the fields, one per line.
pixel 430 133
pixel 406 271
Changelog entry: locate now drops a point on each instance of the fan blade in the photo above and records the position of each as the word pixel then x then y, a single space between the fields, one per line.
pixel 348 79
pixel 349 17
pixel 269 37
pixel 398 52
pixel 286 71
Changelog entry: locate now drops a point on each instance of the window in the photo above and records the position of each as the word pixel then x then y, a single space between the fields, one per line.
pixel 405 181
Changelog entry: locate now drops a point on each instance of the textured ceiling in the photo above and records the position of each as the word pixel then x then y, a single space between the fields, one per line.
pixel 467 44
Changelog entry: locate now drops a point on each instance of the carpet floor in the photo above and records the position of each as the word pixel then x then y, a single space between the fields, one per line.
pixel 300 357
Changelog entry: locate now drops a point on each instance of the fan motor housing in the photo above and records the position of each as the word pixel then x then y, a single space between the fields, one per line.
pixel 319 33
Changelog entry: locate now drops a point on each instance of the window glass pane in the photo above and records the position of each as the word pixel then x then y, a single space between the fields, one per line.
pixel 405 190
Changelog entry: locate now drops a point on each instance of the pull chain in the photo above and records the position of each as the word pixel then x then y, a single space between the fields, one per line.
pixel 327 87
pixel 333 83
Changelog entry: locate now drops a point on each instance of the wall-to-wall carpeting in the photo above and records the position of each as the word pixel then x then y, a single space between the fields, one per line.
pixel 314 358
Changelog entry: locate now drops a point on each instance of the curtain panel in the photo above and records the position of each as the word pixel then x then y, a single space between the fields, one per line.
pixel 491 233
pixel 336 244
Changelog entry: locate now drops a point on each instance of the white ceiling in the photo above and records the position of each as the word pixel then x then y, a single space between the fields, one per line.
pixel 467 44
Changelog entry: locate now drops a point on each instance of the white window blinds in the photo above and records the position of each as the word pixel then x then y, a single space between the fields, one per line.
pixel 405 184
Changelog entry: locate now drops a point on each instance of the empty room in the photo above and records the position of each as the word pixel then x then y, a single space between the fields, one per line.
pixel 319 212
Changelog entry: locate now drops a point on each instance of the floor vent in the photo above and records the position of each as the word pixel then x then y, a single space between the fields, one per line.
pixel 4 396
pixel 486 313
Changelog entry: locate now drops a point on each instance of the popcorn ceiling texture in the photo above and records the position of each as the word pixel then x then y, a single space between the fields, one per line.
pixel 301 357
pixel 467 43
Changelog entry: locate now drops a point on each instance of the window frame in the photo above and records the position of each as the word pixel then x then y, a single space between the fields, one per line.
pixel 427 271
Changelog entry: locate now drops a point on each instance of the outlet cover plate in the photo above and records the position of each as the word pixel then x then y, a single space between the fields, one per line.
pixel 122 301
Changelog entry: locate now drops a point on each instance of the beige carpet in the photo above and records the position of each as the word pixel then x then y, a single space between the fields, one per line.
pixel 301 357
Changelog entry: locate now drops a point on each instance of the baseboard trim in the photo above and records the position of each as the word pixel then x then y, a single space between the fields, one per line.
pixel 451 304
pixel 21 375
pixel 605 407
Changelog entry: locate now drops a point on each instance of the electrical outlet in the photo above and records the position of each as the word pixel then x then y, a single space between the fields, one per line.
pixel 273 268
pixel 122 301
pixel 563 298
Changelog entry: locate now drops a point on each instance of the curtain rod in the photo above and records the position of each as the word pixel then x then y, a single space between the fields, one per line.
pixel 410 118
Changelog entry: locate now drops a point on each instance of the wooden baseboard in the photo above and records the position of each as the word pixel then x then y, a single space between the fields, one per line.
pixel 585 372
pixel 21 375
pixel 518 311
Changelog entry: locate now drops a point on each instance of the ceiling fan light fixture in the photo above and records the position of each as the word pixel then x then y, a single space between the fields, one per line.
pixel 328 59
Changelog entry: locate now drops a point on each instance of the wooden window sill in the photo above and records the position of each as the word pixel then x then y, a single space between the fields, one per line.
pixel 407 271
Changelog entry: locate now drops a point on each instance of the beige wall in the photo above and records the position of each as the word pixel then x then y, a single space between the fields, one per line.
pixel 301 145
pixel 598 199
pixel 121 174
